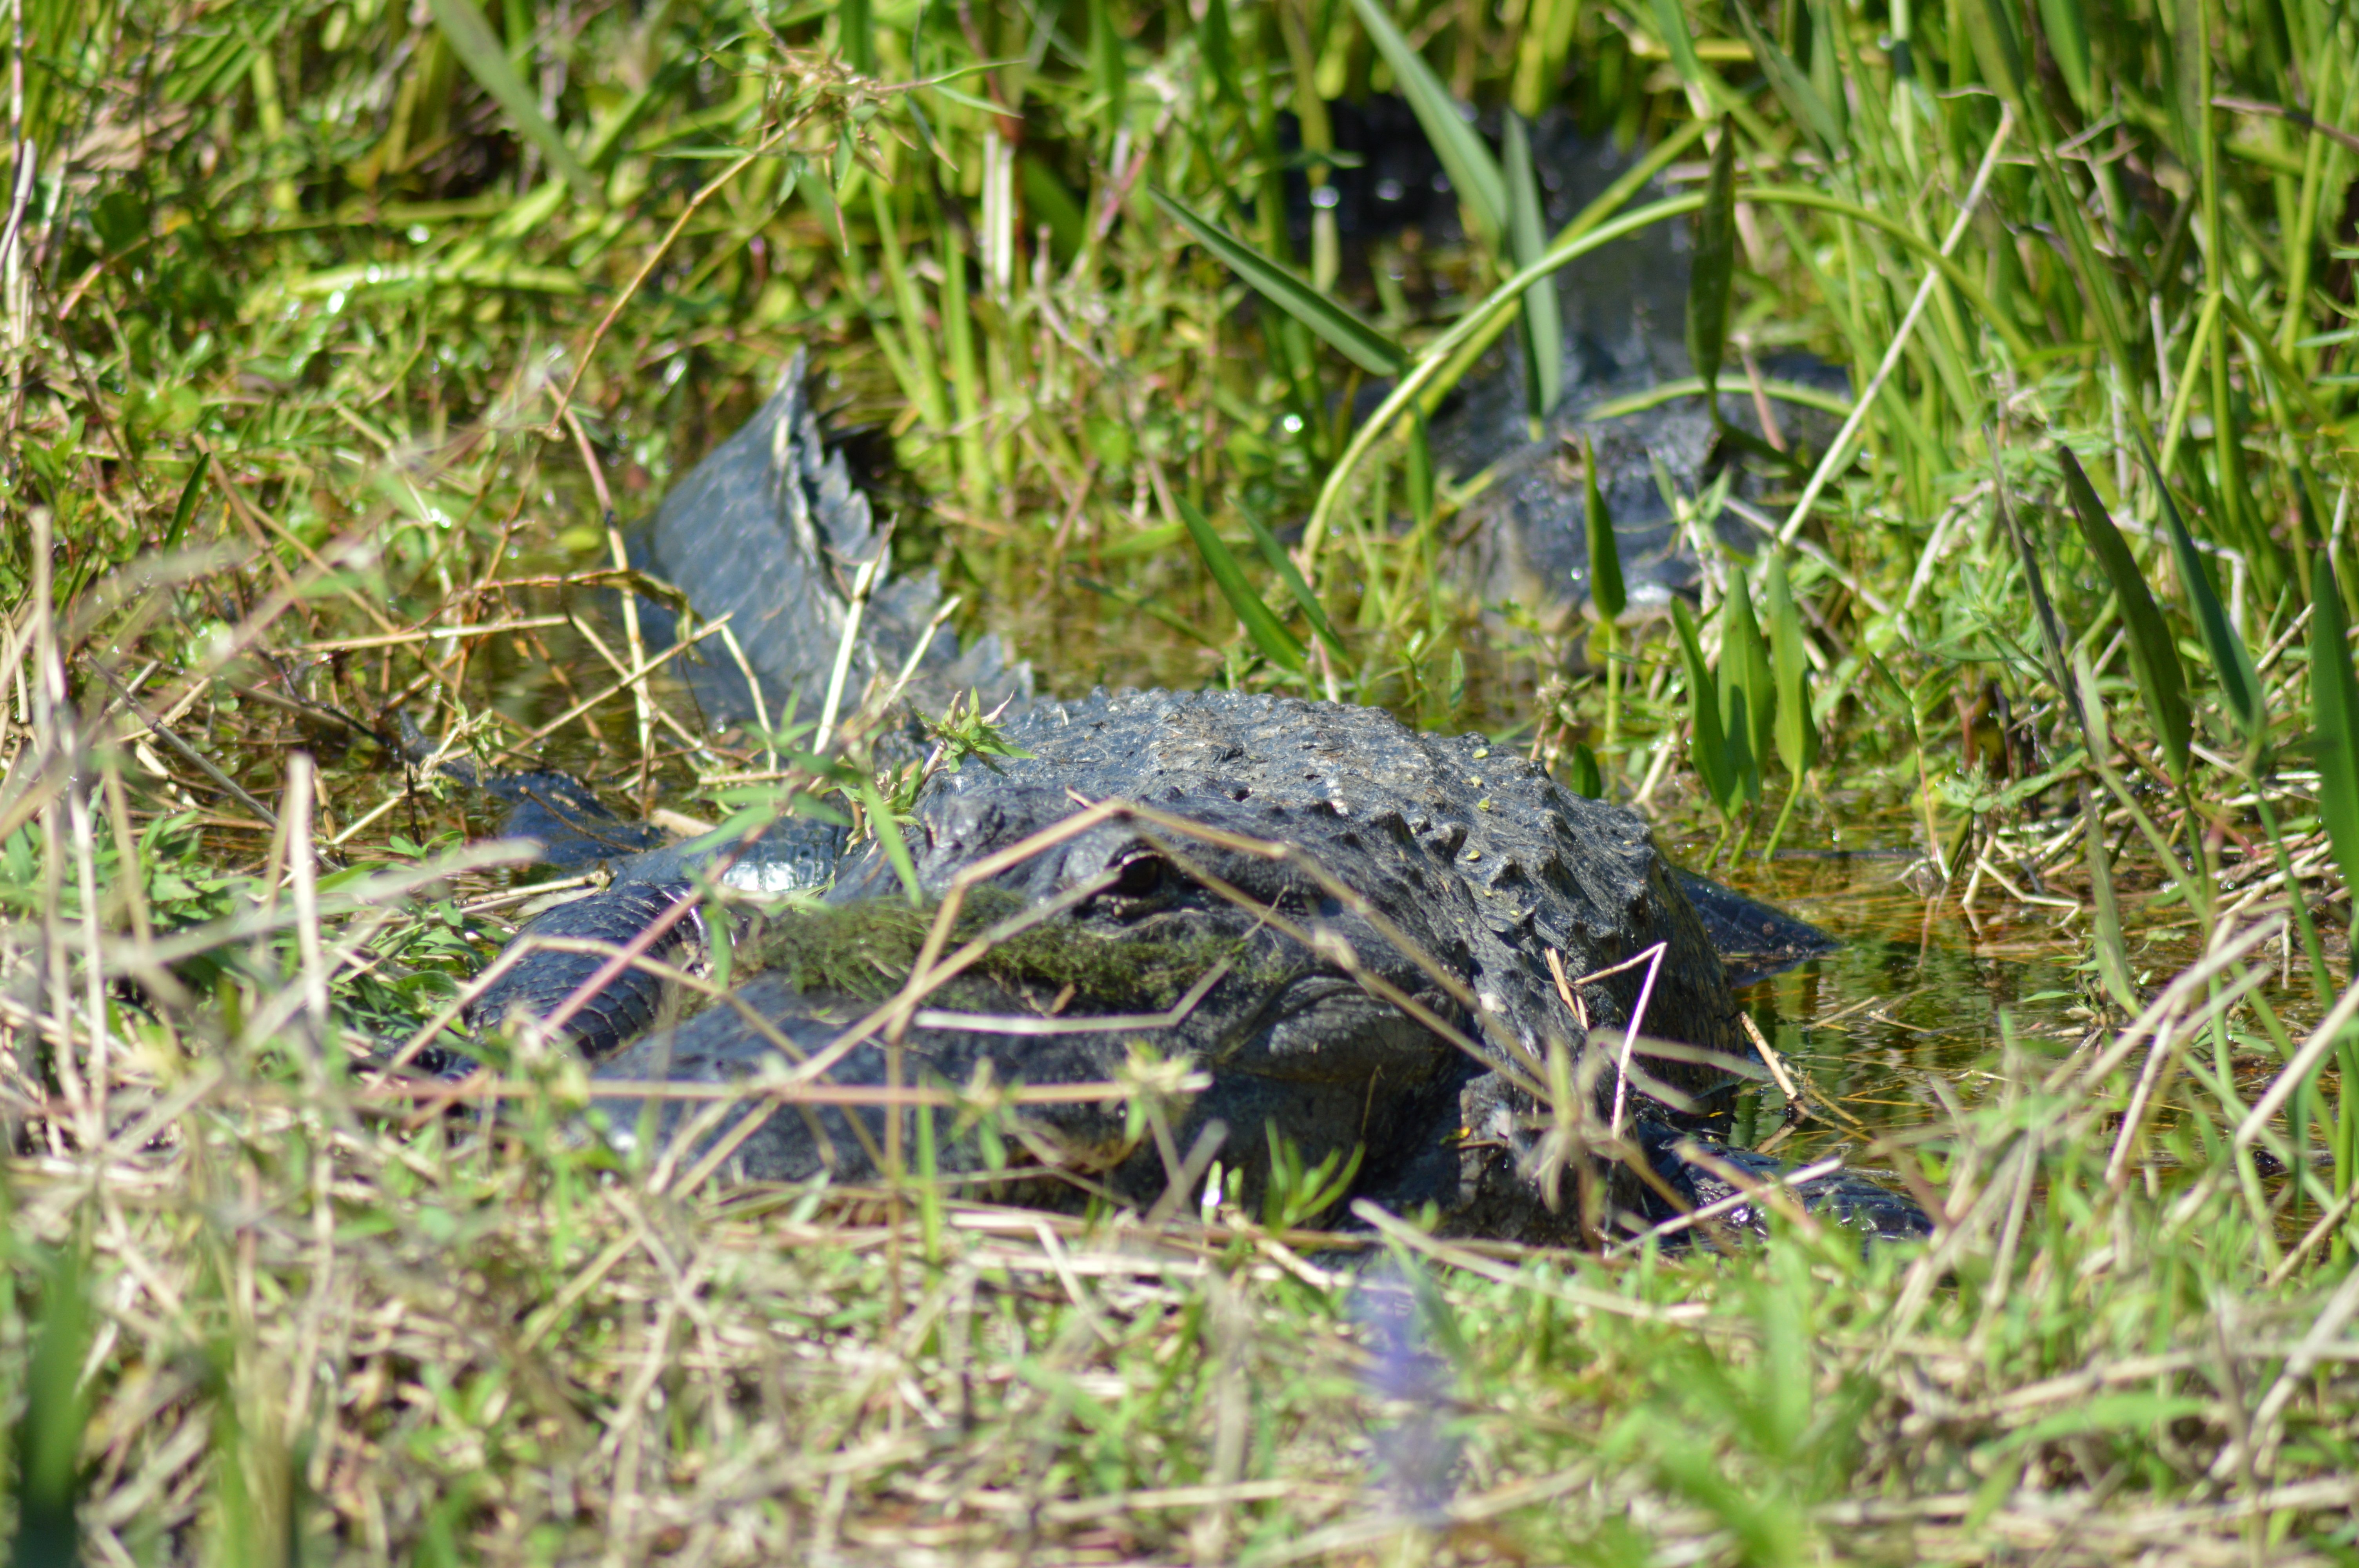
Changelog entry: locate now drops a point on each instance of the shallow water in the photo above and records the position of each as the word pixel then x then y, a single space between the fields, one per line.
pixel 1907 1015
pixel 1912 998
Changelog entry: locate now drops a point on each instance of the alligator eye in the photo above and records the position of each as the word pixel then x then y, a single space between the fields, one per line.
pixel 1141 875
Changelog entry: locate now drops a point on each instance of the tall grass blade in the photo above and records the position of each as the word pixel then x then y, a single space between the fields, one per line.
pixel 2335 703
pixel 1715 268
pixel 2111 950
pixel 1528 242
pixel 966 377
pixel 50 1433
pixel 913 337
pixel 1798 735
pixel 855 34
pixel 472 40
pixel 2052 640
pixel 1826 66
pixel 1748 693
pixel 1110 76
pixel 2186 44
pixel 2066 25
pixel 2232 663
pixel 1472 171
pixel 1268 634
pixel 1283 564
pixel 1708 747
pixel 1787 79
pixel 1419 470
pixel 2000 52
pixel 2078 688
pixel 184 511
pixel 1606 589
pixel 1607 592
pixel 1341 326
pixel 1672 23
pixel 1218 45
pixel 2154 654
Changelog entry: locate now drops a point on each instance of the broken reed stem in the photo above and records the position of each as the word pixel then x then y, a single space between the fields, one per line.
pixel 753 690
pixel 1653 957
pixel 864 583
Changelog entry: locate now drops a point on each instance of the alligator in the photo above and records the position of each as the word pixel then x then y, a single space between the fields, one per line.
pixel 1623 309
pixel 1307 937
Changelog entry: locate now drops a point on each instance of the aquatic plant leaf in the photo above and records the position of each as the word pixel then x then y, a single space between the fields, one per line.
pixel 1715 266
pixel 2232 663
pixel 1708 748
pixel 472 40
pixel 1360 342
pixel 1268 634
pixel 2334 704
pixel 1528 242
pixel 2154 656
pixel 1605 586
pixel 1748 693
pixel 1472 171
pixel 1792 87
pixel 1797 736
pixel 1283 564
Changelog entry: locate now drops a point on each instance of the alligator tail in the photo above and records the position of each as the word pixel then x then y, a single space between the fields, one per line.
pixel 770 531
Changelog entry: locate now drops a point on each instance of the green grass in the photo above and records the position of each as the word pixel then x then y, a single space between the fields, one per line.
pixel 334 331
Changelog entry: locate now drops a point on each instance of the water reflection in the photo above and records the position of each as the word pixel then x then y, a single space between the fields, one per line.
pixel 1907 1012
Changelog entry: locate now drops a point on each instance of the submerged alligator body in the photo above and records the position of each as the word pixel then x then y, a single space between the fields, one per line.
pixel 1383 987
pixel 1623 309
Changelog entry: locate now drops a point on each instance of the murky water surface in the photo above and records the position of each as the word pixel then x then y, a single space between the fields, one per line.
pixel 1905 1020
pixel 1907 1012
